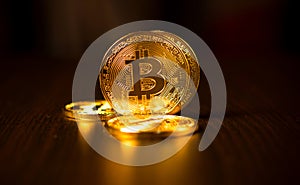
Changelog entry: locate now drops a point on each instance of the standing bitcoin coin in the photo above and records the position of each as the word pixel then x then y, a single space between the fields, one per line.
pixel 149 72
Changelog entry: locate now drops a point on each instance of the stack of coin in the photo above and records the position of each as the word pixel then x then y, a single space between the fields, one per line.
pixel 146 74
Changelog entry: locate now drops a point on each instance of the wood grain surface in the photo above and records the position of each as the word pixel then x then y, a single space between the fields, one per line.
pixel 258 143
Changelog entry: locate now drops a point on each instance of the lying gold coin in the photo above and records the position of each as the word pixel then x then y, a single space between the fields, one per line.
pixel 87 110
pixel 158 124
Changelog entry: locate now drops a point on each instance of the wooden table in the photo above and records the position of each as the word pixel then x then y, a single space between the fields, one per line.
pixel 257 144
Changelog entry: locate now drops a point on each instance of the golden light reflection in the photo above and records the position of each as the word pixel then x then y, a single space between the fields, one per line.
pixel 85 126
pixel 126 146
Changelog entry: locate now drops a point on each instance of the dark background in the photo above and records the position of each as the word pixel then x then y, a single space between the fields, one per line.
pixel 65 28
pixel 256 43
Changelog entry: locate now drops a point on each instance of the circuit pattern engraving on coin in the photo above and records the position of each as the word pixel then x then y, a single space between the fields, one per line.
pixel 159 59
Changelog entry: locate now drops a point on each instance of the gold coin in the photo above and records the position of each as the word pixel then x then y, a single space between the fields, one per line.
pixel 87 110
pixel 148 73
pixel 158 124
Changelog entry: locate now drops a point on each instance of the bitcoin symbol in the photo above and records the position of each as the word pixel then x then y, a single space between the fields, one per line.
pixel 146 77
pixel 148 71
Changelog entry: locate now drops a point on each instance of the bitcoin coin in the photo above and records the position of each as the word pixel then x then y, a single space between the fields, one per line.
pixel 159 124
pixel 149 72
pixel 87 110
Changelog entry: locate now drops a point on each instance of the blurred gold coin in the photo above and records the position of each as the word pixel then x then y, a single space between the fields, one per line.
pixel 87 110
